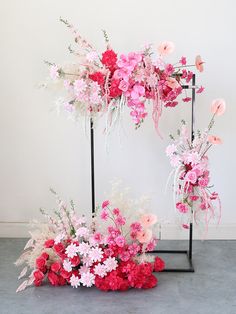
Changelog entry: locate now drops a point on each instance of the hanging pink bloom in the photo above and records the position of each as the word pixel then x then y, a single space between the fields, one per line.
pixel 170 150
pixel 199 63
pixel 183 61
pixel 104 214
pixel 214 139
pixel 166 48
pixel 185 226
pixel 105 204
pixel 187 99
pixel 218 106
pixel 203 182
pixel 194 197
pixel 144 236
pixel 182 207
pixel 200 90
pixel 172 83
pixel 147 220
pixel 116 211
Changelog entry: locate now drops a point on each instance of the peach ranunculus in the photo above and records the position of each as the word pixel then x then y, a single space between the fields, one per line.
pixel 214 139
pixel 218 106
pixel 147 220
pixel 144 236
pixel 199 63
pixel 166 48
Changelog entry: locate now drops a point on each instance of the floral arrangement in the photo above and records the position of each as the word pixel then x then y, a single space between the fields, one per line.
pixel 193 198
pixel 107 83
pixel 110 252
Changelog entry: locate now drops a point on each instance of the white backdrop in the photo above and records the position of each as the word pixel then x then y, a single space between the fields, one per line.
pixel 41 150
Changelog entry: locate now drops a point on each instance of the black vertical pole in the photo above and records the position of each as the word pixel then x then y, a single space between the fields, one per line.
pixel 192 138
pixel 92 165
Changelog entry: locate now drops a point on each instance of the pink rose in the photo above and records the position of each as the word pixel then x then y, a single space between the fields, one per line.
pixel 191 177
pixel 123 86
pixel 53 278
pixel 203 182
pixel 120 241
pixel 49 243
pixel 40 263
pixel 55 267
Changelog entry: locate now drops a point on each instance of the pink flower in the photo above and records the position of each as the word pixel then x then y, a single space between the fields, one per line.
pixel 218 106
pixel 185 226
pixel 136 227
pixel 120 241
pixel 137 91
pixel 166 48
pixel 84 248
pixel 116 211
pixel 134 248
pixel 110 264
pixel 97 237
pixel 170 150
pixel 74 281
pixel 125 256
pixel 72 250
pixel 203 182
pixel 80 85
pixel 187 99
pixel 144 236
pixel 182 207
pixel 105 204
pixel 87 279
pixel 148 220
pixel 214 139
pixel 172 83
pixel 120 220
pixel 191 177
pixel 104 214
pixel 96 254
pixel 200 90
pixel 214 196
pixel 199 63
pixel 183 61
pixel 194 197
pixel 123 86
pixel 100 270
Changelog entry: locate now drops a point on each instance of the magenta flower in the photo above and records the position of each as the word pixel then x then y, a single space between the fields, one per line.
pixel 120 241
pixel 135 227
pixel 183 61
pixel 104 214
pixel 120 220
pixel 116 211
pixel 182 207
pixel 105 204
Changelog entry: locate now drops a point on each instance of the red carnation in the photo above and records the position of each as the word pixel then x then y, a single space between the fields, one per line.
pixel 151 282
pixel 97 77
pixel 40 263
pixel 45 256
pixel 49 243
pixel 159 264
pixel 55 267
pixel 53 278
pixel 38 278
pixel 61 281
pixel 75 260
pixel 109 58
pixel 65 274
pixel 58 248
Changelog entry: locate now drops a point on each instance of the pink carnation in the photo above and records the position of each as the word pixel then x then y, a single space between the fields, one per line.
pixel 182 207
pixel 104 214
pixel 105 204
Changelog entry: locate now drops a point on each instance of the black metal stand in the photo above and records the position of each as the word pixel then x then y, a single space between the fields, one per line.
pixel 92 166
pixel 188 252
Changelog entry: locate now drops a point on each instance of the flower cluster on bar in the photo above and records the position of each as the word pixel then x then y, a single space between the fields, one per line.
pixel 70 250
pixel 193 197
pixel 107 83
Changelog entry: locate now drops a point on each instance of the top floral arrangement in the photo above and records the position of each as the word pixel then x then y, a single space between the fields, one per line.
pixel 107 83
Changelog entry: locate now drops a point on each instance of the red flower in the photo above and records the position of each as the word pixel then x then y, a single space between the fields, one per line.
pixel 49 243
pixel 151 282
pixel 75 260
pixel 55 267
pixel 38 278
pixel 97 77
pixel 109 58
pixel 65 274
pixel 40 263
pixel 61 281
pixel 45 256
pixel 58 248
pixel 114 88
pixel 53 278
pixel 159 264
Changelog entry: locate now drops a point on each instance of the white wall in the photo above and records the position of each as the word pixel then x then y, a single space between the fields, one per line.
pixel 40 150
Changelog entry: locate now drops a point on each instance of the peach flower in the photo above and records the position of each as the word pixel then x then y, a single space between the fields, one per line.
pixel 218 106
pixel 199 63
pixel 166 48
pixel 144 236
pixel 147 220
pixel 214 139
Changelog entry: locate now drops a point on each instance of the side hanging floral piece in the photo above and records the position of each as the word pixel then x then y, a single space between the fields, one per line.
pixel 193 198
pixel 70 250
pixel 105 84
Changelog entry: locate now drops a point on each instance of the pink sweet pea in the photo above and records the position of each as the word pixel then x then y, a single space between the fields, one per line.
pixel 214 139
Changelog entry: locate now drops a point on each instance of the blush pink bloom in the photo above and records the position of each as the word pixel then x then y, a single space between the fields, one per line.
pixel 120 220
pixel 147 220
pixel 123 86
pixel 199 63
pixel 120 241
pixel 183 61
pixel 136 227
pixel 166 48
pixel 182 207
pixel 214 139
pixel 200 90
pixel 191 177
pixel 218 106
pixel 194 197
pixel 144 236
pixel 116 211
pixel 203 182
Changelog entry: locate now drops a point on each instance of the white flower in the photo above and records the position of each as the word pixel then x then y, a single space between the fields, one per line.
pixel 87 261
pixel 59 237
pixel 80 85
pixel 82 232
pixel 83 269
pixel 84 248
pixel 175 161
pixel 91 56
pixel 87 279
pixel 74 281
pixel 100 270
pixel 72 250
pixel 194 158
pixel 96 254
pixel 67 265
pixel 110 264
pixel 170 150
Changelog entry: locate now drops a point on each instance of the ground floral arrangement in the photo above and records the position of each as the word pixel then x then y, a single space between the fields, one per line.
pixel 96 84
pixel 193 197
pixel 109 252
